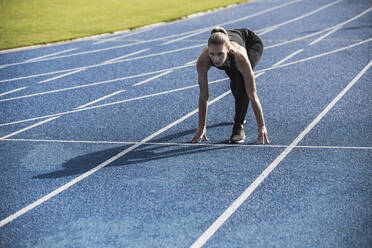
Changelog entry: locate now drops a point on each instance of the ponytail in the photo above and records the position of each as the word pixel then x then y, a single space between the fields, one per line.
pixel 219 30
pixel 218 36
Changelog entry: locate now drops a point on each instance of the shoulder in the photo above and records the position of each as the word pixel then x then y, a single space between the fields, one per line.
pixel 240 56
pixel 203 63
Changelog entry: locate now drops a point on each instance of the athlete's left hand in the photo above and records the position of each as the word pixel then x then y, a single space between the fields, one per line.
pixel 262 136
pixel 201 133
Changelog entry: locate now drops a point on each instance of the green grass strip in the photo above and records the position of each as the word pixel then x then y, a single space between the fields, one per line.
pixel 31 22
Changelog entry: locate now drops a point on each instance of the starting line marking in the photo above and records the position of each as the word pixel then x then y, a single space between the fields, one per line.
pixel 247 145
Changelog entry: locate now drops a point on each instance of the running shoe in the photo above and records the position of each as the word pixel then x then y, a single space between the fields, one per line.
pixel 238 135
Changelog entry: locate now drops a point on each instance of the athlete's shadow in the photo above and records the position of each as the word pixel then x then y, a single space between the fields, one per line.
pixel 145 153
pixel 189 134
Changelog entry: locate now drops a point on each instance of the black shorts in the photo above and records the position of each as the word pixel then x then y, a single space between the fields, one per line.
pixel 253 45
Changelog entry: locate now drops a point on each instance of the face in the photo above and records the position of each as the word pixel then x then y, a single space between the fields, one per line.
pixel 218 54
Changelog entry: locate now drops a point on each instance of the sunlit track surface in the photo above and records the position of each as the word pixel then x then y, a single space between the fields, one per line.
pixel 95 136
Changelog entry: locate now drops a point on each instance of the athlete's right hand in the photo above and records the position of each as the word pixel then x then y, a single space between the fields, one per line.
pixel 262 136
pixel 201 133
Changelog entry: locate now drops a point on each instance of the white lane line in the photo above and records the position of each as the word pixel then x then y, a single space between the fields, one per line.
pixel 110 104
pixel 107 40
pixel 95 83
pixel 53 118
pixel 111 48
pixel 50 55
pixel 337 147
pixel 339 26
pixel 288 57
pixel 100 99
pixel 296 39
pixel 73 54
pixel 281 61
pixel 147 143
pixel 145 41
pixel 152 78
pixel 125 56
pixel 259 74
pixel 322 31
pixel 73 141
pixel 98 65
pixel 94 51
pixel 161 53
pixel 12 91
pixel 35 75
pixel 186 36
pixel 37 58
pixel 191 63
pixel 70 88
pixel 103 63
pixel 190 144
pixel 316 56
pixel 259 71
pixel 274 27
pixel 325 35
pixel 243 197
pixel 206 29
pixel 60 76
pixel 102 165
pixel 27 128
pixel 121 36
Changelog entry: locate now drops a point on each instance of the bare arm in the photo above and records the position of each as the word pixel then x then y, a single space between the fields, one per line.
pixel 203 94
pixel 244 66
pixel 202 67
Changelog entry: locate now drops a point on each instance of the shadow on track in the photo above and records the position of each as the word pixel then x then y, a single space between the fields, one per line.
pixel 145 153
pixel 190 133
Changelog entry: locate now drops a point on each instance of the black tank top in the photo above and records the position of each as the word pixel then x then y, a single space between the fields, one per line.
pixel 243 37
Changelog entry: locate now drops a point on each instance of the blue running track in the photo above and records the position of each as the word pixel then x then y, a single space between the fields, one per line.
pixel 95 136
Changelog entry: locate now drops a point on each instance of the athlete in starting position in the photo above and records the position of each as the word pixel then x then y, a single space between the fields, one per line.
pixel 237 52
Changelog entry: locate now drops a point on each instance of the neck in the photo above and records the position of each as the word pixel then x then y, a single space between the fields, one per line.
pixel 227 61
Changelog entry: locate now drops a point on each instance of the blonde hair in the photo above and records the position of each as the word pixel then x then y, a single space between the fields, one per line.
pixel 218 36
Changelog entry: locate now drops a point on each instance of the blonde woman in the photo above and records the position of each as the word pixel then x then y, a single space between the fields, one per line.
pixel 237 52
